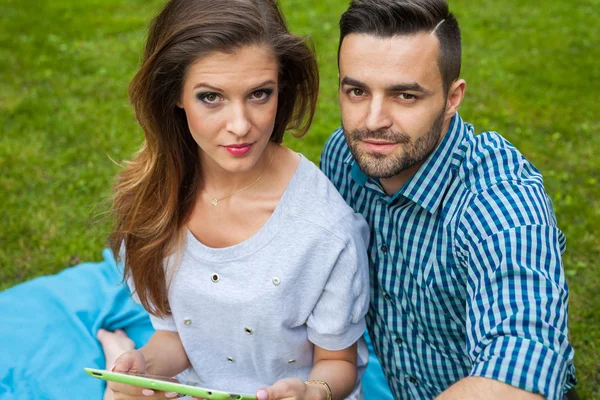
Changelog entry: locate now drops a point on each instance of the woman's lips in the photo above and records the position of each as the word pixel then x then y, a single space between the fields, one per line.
pixel 239 149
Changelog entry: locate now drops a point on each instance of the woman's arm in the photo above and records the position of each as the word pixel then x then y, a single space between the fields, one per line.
pixel 164 354
pixel 336 368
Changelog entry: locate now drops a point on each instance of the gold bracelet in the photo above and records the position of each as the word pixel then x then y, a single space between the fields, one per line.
pixel 325 384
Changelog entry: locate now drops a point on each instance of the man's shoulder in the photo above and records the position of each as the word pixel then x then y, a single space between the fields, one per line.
pixel 507 190
pixel 335 159
pixel 489 160
pixel 336 150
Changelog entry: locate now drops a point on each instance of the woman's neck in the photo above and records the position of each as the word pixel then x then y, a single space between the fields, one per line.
pixel 219 182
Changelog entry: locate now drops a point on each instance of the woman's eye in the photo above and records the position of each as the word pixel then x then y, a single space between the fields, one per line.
pixel 260 94
pixel 208 98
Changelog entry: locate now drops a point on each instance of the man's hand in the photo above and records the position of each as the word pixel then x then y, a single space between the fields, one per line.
pixel 479 388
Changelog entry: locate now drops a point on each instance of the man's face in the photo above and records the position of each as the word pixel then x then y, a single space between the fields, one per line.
pixel 392 100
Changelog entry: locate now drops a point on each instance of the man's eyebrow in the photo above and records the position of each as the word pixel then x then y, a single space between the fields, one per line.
pixel 410 87
pixel 352 82
pixel 401 87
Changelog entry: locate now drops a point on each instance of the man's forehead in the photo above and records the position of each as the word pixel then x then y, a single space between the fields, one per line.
pixel 371 57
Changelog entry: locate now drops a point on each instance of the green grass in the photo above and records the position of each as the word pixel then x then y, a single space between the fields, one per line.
pixel 532 75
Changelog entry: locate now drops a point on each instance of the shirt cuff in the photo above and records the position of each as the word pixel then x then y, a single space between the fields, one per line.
pixel 163 324
pixel 525 364
pixel 338 342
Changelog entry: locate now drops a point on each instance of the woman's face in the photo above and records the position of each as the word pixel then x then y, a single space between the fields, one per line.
pixel 230 100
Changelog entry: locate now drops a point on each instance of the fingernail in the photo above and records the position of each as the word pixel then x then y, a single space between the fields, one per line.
pixel 147 392
pixel 113 367
pixel 170 395
pixel 262 395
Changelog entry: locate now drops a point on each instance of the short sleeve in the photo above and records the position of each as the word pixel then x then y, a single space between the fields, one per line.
pixel 159 324
pixel 338 319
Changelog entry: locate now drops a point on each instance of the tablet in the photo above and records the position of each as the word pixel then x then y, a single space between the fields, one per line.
pixel 166 385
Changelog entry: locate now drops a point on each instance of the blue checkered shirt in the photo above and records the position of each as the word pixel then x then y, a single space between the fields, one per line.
pixel 466 269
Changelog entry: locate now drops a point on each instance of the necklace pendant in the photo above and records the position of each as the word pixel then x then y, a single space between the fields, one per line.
pixel 214 202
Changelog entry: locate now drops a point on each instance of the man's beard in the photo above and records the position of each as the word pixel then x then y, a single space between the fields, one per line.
pixel 379 165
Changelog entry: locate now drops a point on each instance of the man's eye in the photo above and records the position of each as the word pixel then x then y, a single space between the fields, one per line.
pixel 406 96
pixel 356 92
pixel 208 98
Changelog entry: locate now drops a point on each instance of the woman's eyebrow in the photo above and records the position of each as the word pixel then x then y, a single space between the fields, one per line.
pixel 206 85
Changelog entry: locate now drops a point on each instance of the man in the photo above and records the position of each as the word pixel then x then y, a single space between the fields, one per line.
pixel 469 299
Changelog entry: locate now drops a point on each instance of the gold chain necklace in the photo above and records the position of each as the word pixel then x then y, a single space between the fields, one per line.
pixel 215 201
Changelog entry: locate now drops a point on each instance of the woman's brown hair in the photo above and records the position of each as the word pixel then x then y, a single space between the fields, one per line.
pixel 156 191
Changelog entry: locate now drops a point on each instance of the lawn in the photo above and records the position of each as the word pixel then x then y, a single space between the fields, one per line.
pixel 64 68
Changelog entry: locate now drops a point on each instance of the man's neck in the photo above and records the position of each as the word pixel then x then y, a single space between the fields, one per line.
pixel 393 184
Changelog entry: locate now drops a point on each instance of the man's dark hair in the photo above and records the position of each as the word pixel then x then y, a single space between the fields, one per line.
pixel 388 18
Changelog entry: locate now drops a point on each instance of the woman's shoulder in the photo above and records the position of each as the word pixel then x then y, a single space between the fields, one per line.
pixel 314 199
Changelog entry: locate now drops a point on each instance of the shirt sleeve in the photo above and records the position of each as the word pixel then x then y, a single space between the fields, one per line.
pixel 516 290
pixel 331 161
pixel 338 319
pixel 159 324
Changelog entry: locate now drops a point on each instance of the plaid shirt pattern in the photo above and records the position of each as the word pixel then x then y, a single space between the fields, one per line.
pixel 466 269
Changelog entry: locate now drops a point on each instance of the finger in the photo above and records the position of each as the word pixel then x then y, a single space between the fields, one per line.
pixel 138 392
pixel 132 361
pixel 125 389
pixel 146 394
pixel 262 394
pixel 282 389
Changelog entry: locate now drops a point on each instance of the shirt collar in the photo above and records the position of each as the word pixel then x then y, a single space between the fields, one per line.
pixel 428 185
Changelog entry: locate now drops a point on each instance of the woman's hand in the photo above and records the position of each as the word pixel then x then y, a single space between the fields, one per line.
pixel 292 389
pixel 133 361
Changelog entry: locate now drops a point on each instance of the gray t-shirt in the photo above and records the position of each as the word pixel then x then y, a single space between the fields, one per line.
pixel 248 315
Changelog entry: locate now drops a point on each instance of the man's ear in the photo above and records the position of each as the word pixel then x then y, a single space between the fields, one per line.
pixel 456 94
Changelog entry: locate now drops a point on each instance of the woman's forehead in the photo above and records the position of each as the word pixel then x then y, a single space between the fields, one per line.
pixel 245 66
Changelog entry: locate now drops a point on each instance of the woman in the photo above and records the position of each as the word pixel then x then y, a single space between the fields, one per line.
pixel 253 267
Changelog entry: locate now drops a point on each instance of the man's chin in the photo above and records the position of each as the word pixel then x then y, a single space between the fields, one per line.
pixel 374 169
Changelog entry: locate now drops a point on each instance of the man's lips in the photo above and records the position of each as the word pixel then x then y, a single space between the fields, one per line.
pixel 379 145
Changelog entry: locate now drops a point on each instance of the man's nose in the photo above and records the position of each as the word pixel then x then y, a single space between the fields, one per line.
pixel 378 117
pixel 239 123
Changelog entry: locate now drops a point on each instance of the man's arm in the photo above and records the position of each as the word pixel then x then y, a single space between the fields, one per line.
pixel 478 388
pixel 517 295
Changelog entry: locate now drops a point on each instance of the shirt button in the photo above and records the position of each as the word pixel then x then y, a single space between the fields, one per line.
pixel 413 380
pixel 398 340
pixel 387 296
pixel 187 321
pixel 384 249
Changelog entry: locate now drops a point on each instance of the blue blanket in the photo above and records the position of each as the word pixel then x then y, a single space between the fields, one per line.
pixel 48 333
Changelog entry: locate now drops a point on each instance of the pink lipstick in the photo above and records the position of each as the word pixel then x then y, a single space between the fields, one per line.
pixel 239 149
